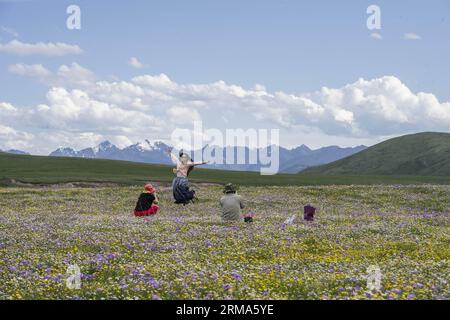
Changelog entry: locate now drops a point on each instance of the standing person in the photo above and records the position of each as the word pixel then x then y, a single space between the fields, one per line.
pixel 231 203
pixel 182 193
pixel 147 202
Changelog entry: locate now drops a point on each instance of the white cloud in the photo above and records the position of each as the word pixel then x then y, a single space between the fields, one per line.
pixel 46 49
pixel 9 31
pixel 152 106
pixel 376 35
pixel 77 110
pixel 74 74
pixel 365 108
pixel 7 107
pixel 411 36
pixel 135 63
pixel 183 115
pixel 10 138
pixel 66 75
pixel 160 82
pixel 33 70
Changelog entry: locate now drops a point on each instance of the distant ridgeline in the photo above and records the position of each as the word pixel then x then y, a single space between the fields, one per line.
pixel 421 154
pixel 291 160
pixel 14 151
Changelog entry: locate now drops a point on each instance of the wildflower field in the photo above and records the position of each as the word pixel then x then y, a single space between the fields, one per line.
pixel 188 252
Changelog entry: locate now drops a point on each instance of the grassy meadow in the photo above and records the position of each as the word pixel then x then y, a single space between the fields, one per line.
pixel 188 252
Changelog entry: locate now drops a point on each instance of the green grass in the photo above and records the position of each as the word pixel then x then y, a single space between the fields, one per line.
pixel 53 170
pixel 421 154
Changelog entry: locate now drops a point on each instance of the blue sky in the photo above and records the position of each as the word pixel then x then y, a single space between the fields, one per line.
pixel 294 47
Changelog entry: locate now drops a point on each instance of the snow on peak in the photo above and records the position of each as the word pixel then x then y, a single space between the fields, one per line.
pixel 105 145
pixel 146 145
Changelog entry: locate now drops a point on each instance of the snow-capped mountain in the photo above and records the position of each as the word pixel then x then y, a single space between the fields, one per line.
pixel 291 160
pixel 145 151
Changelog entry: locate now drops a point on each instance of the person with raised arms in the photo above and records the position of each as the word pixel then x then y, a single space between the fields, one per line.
pixel 182 192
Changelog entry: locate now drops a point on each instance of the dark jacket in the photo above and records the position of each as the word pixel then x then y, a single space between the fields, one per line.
pixel 145 201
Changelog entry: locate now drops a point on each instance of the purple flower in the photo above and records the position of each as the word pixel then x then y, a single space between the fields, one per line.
pixel 153 283
pixel 208 243
pixel 236 276
pixel 209 296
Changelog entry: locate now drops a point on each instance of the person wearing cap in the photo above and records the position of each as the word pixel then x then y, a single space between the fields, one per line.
pixel 182 193
pixel 147 202
pixel 231 203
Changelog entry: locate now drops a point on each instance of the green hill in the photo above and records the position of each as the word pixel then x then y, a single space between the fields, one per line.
pixel 19 169
pixel 421 154
pixel 22 169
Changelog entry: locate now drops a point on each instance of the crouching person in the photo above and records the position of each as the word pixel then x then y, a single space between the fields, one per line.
pixel 231 204
pixel 147 202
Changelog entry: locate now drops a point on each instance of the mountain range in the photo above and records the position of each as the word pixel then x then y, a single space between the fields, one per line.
pixel 291 160
pixel 421 155
pixel 14 151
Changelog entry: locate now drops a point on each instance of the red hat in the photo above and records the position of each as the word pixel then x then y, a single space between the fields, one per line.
pixel 149 188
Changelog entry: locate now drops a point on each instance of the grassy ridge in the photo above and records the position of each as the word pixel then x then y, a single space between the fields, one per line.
pixel 50 170
pixel 422 154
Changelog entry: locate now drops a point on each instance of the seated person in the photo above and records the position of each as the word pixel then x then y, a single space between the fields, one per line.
pixel 231 203
pixel 147 202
